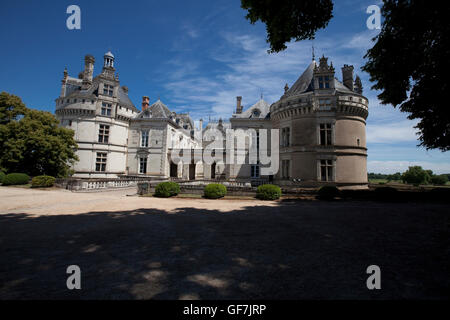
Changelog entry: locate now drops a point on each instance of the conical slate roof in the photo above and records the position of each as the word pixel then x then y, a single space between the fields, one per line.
pixel 304 83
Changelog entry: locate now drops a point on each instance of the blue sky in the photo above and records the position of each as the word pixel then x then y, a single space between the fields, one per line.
pixel 197 55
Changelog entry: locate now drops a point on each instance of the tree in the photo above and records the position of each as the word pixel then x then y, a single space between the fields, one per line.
pixel 35 144
pixel 439 180
pixel 409 63
pixel 289 19
pixel 416 175
pixel 11 108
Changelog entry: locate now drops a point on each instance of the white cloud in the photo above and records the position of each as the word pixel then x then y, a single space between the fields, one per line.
pixel 393 132
pixel 389 167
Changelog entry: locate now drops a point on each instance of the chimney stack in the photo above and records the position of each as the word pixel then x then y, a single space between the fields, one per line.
pixel 145 103
pixel 88 73
pixel 238 105
pixel 347 76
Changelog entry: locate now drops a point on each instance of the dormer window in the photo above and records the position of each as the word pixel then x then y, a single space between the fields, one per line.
pixel 108 90
pixel 324 82
pixel 256 113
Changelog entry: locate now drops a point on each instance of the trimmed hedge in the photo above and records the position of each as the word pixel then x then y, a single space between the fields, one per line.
pixel 268 192
pixel 42 182
pixel 167 189
pixel 215 191
pixel 2 176
pixel 13 179
pixel 328 193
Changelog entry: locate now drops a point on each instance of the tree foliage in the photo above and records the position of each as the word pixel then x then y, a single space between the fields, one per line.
pixel 288 20
pixel 409 63
pixel 33 143
pixel 416 175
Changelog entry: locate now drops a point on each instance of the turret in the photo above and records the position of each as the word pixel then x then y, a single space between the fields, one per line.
pixel 108 65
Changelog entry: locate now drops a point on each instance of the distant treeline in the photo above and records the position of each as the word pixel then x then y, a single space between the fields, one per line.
pixel 392 177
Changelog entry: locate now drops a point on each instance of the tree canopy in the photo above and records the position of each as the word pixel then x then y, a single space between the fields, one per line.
pixel 409 64
pixel 286 20
pixel 32 141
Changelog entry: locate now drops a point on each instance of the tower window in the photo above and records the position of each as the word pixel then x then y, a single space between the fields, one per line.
pixel 285 137
pixel 143 165
pixel 326 134
pixel 108 90
pixel 100 162
pixel 106 109
pixel 144 139
pixel 103 134
pixel 285 166
pixel 326 170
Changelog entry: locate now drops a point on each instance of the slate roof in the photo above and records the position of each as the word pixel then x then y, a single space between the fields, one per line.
pixel 261 106
pixel 305 83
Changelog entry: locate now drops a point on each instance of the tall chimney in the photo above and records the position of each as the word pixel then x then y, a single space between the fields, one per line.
pixel 88 73
pixel 238 105
pixel 347 76
pixel 145 103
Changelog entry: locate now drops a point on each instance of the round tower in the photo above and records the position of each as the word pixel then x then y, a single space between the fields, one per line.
pixel 322 125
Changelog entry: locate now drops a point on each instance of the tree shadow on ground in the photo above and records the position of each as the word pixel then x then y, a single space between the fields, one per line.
pixel 295 250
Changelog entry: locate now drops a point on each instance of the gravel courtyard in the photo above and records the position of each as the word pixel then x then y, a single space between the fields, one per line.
pixel 130 247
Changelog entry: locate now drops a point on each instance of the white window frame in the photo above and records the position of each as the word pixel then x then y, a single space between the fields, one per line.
pixel 145 134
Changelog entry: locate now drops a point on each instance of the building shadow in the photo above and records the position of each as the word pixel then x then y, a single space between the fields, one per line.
pixel 295 250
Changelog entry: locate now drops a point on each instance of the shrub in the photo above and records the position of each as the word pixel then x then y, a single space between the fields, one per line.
pixel 439 180
pixel 2 176
pixel 268 192
pixel 328 193
pixel 215 191
pixel 15 179
pixel 42 182
pixel 167 189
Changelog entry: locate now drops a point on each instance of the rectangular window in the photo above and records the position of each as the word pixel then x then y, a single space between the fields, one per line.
pixel 326 134
pixel 100 163
pixel 108 90
pixel 324 82
pixel 285 137
pixel 143 165
pixel 106 109
pixel 325 104
pixel 326 170
pixel 285 169
pixel 144 139
pixel 103 134
pixel 255 171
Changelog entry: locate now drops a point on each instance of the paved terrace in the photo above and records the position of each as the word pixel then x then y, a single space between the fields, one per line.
pixel 147 248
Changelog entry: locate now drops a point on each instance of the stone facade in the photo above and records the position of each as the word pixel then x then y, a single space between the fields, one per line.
pixel 321 123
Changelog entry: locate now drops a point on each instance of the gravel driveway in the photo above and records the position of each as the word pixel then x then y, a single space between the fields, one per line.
pixel 147 248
